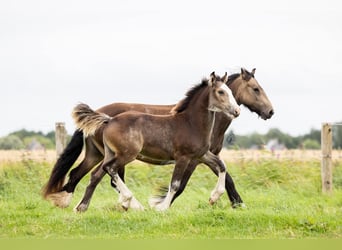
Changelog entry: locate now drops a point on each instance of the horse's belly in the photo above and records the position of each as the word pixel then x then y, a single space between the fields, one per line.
pixel 156 161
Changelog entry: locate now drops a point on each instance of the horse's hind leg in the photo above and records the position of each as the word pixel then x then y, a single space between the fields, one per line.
pixel 92 157
pixel 113 167
pixel 96 177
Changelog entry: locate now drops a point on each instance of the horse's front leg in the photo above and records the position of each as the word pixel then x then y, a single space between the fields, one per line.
pixel 232 193
pixel 212 160
pixel 163 203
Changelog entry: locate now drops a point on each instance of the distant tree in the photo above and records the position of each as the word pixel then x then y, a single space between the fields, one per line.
pixel 242 141
pixel 249 141
pixel 314 134
pixel 25 133
pixel 42 140
pixel 229 140
pixel 27 138
pixel 52 136
pixel 309 141
pixel 286 139
pixel 11 142
pixel 311 144
pixel 337 135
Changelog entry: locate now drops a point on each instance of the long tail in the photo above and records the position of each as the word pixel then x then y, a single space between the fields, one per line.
pixel 63 164
pixel 88 120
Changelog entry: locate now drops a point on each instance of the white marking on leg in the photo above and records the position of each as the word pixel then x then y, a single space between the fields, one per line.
pixel 219 189
pixel 125 194
pixel 136 205
pixel 163 204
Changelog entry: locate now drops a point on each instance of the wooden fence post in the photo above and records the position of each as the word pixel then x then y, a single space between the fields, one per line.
pixel 326 167
pixel 61 138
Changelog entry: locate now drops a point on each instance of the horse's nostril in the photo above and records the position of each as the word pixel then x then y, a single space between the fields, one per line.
pixel 271 112
pixel 237 112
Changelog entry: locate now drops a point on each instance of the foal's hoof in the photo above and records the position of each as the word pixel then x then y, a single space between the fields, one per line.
pixel 239 205
pixel 124 207
pixel 211 201
pixel 135 205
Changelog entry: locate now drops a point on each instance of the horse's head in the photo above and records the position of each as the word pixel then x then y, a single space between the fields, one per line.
pixel 221 98
pixel 248 92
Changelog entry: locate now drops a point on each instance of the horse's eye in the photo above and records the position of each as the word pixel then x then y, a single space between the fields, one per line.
pixel 256 90
pixel 221 92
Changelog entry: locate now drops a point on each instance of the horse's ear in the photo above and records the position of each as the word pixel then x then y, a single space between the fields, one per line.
pixel 253 71
pixel 243 71
pixel 212 79
pixel 245 74
pixel 225 78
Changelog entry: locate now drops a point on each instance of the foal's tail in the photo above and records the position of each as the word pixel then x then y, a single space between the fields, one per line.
pixel 88 120
pixel 63 164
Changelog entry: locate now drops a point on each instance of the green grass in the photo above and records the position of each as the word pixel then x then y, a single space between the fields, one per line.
pixel 284 200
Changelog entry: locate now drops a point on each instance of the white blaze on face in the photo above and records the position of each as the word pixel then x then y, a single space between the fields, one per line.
pixel 232 100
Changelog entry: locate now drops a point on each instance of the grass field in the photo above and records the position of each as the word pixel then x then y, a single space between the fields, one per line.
pixel 283 199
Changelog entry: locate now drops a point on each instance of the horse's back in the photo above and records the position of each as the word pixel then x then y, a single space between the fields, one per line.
pixel 114 109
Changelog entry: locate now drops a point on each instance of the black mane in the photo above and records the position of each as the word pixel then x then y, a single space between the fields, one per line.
pixel 183 104
pixel 232 78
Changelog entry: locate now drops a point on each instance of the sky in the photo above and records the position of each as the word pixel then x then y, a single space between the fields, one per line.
pixel 55 54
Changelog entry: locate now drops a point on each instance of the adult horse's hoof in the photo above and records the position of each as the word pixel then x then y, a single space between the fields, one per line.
pixel 60 199
pixel 80 208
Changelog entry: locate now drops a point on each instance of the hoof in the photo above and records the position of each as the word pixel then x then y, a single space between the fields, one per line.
pixel 154 201
pixel 239 205
pixel 135 205
pixel 60 199
pixel 211 202
pixel 158 204
pixel 80 208
pixel 125 201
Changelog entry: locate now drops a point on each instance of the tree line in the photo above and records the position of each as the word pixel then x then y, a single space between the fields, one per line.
pixel 276 138
pixel 24 139
pixel 273 139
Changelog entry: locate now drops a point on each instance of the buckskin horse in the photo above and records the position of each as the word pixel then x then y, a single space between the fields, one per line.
pixel 246 90
pixel 181 137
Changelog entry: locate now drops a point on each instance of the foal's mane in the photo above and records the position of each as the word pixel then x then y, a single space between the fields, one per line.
pixel 183 104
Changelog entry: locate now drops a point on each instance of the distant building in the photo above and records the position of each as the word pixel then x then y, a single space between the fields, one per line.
pixel 35 145
pixel 274 144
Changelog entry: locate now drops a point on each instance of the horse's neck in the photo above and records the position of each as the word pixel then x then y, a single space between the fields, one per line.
pixel 222 122
pixel 199 117
pixel 235 87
